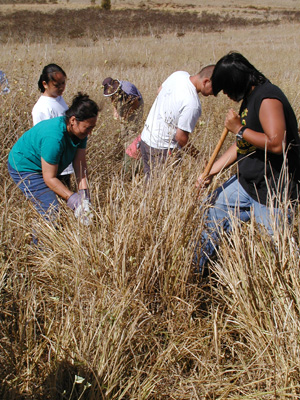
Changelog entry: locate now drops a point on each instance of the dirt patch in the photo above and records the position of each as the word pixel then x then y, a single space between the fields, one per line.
pixel 94 22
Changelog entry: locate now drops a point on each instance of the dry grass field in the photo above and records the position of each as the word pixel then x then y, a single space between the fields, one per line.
pixel 115 310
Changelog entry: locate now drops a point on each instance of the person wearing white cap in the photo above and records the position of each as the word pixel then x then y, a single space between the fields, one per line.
pixel 128 108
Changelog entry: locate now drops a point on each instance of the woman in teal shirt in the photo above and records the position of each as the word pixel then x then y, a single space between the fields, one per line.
pixel 47 149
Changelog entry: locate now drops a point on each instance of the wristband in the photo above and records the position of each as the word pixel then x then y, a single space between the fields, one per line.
pixel 240 133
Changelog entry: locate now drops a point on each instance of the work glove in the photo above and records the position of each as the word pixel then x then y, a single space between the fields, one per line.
pixel 81 205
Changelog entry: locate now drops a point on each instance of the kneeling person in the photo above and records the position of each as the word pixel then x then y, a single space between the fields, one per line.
pixel 46 149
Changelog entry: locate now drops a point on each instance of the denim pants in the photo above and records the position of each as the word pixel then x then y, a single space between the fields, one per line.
pixel 230 202
pixel 34 188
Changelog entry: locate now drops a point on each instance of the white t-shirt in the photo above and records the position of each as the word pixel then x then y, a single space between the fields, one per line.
pixel 50 107
pixel 176 106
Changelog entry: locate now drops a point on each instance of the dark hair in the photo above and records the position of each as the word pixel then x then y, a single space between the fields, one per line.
pixel 48 75
pixel 82 108
pixel 235 75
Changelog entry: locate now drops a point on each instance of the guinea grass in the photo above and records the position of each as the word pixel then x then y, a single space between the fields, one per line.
pixel 115 310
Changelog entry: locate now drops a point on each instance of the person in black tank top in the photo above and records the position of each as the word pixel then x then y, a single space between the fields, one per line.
pixel 267 151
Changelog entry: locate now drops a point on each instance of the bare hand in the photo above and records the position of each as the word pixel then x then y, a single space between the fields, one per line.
pixel 233 121
pixel 203 182
pixel 116 115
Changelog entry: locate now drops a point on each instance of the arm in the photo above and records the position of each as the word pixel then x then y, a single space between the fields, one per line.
pixel 49 172
pixel 228 158
pixel 182 138
pixel 272 120
pixel 80 168
pixel 115 112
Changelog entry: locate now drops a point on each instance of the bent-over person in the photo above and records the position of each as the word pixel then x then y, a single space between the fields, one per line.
pixel 128 108
pixel 45 150
pixel 173 116
pixel 267 151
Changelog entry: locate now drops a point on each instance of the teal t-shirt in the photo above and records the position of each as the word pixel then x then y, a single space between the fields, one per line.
pixel 49 140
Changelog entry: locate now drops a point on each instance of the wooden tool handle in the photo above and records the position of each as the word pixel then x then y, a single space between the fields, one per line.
pixel 215 153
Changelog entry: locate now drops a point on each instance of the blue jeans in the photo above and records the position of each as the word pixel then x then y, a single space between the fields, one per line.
pixel 230 202
pixel 34 188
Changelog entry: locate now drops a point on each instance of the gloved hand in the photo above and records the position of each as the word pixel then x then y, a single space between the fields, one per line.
pixel 81 205
pixel 74 201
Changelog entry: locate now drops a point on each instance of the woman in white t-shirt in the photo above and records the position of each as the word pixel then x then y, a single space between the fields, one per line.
pixel 51 104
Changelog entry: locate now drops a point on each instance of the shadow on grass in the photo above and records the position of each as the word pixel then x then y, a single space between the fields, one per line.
pixel 65 381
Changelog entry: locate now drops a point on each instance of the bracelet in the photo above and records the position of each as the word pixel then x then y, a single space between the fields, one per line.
pixel 240 133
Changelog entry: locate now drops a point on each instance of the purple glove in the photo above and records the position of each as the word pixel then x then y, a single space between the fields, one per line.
pixel 81 205
pixel 76 199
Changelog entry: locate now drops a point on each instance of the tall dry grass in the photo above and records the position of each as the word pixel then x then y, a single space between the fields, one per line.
pixel 118 303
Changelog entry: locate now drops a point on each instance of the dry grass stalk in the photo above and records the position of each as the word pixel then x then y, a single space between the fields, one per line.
pixel 118 304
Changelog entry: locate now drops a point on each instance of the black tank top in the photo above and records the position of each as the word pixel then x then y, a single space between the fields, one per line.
pixel 260 172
